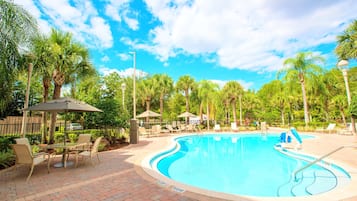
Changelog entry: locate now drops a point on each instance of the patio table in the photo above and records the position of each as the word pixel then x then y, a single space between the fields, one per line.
pixel 66 147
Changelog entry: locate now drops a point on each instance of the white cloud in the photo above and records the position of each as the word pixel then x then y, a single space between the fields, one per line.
pixel 119 10
pixel 250 35
pixel 244 84
pixel 105 58
pixel 124 57
pixel 78 17
pixel 123 73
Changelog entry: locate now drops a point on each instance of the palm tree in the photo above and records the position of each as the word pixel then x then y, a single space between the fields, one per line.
pixel 41 49
pixel 206 92
pixel 147 90
pixel 186 84
pixel 347 42
pixel 17 26
pixel 164 87
pixel 347 49
pixel 300 67
pixel 69 58
pixel 232 91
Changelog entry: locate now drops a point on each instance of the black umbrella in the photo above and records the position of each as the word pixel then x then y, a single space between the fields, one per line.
pixel 65 105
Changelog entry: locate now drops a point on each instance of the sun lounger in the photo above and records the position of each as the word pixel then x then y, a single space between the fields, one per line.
pixel 217 128
pixel 347 130
pixel 234 127
pixel 330 128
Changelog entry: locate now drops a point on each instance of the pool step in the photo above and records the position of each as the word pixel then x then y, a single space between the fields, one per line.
pixel 312 182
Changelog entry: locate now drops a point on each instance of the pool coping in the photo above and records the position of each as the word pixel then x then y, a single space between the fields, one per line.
pixel 339 193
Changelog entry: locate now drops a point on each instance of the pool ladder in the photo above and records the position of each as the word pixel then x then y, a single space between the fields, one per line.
pixel 322 157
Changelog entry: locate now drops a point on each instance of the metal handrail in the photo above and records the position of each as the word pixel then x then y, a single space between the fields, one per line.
pixel 322 157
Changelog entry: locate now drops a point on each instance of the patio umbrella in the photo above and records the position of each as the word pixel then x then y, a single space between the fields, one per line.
pixel 187 114
pixel 148 113
pixel 65 105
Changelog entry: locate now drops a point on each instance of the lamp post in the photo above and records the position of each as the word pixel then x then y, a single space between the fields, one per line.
pixel 134 81
pixel 123 87
pixel 342 65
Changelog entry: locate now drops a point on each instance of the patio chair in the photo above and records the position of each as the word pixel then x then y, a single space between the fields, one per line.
pixel 44 152
pixel 24 156
pixel 234 127
pixel 90 153
pixel 217 127
pixel 171 129
pixel 83 144
pixel 330 128
pixel 347 130
pixel 143 131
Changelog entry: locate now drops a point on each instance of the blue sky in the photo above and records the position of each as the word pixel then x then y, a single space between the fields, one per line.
pixel 246 41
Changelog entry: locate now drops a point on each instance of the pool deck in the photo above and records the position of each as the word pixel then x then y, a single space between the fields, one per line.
pixel 121 176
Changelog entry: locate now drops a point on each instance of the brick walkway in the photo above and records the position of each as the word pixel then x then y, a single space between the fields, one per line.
pixel 119 176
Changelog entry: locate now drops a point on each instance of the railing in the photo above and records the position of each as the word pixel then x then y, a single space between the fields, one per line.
pixel 322 157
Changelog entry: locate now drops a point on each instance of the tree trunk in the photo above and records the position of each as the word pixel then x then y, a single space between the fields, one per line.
pixel 58 79
pixel 240 109
pixel 147 107
pixel 282 117
pixel 207 116
pixel 187 105
pixel 46 85
pixel 234 111
pixel 343 116
pixel 306 109
pixel 161 106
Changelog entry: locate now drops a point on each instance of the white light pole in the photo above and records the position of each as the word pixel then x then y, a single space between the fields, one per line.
pixel 123 87
pixel 134 88
pixel 342 65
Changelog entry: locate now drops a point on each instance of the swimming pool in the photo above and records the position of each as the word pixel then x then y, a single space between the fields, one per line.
pixel 245 165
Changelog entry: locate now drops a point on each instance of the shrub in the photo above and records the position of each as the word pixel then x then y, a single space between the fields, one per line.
pixel 7 159
pixel 73 137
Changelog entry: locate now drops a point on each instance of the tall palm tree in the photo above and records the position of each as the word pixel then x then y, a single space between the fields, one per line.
pixel 164 87
pixel 147 91
pixel 347 49
pixel 232 91
pixel 41 49
pixel 206 91
pixel 69 58
pixel 17 26
pixel 186 84
pixel 300 67
pixel 347 42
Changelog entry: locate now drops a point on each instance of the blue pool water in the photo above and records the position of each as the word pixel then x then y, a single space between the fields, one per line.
pixel 244 165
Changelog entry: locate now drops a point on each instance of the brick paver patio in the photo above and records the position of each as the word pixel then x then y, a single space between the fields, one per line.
pixel 119 176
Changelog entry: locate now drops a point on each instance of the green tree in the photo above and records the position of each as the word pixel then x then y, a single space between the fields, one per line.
pixel 347 42
pixel 206 92
pixel 186 84
pixel 165 87
pixel 301 67
pixel 232 91
pixel 17 27
pixel 147 88
pixel 69 59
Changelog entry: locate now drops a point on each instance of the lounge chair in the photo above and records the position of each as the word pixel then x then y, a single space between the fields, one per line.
pixel 217 128
pixel 234 127
pixel 171 129
pixel 24 156
pixel 264 127
pixel 92 152
pixel 330 128
pixel 347 130
pixel 144 132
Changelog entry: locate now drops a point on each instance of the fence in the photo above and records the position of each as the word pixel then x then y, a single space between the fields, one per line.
pixel 12 125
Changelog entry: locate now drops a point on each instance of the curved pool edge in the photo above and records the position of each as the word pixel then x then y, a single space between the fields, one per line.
pixel 344 192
